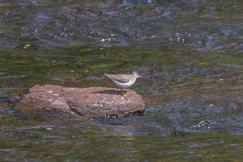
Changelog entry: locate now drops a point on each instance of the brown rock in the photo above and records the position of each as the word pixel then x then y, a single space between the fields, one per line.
pixel 92 101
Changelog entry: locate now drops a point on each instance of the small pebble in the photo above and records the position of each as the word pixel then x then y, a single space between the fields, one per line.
pixel 211 105
pixel 27 46
pixel 49 129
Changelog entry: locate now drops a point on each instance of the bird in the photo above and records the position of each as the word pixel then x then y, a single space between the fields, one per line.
pixel 123 80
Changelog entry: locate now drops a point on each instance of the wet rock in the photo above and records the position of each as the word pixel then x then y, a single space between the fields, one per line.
pixel 4 97
pixel 92 101
pixel 214 109
pixel 13 99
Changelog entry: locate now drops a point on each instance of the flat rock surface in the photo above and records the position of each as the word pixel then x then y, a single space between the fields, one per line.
pixel 92 101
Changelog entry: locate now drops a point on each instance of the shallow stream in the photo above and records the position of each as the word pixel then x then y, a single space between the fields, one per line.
pixel 190 54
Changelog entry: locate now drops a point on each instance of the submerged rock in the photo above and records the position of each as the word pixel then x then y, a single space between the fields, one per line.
pixel 92 101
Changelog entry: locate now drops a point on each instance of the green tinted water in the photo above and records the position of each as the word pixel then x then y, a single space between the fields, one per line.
pixel 69 139
pixel 193 99
pixel 179 124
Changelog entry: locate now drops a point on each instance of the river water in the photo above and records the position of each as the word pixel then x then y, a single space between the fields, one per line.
pixel 190 54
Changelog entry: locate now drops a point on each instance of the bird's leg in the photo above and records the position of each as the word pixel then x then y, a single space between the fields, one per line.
pixel 123 94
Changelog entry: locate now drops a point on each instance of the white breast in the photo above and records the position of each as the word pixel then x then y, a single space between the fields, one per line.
pixel 124 85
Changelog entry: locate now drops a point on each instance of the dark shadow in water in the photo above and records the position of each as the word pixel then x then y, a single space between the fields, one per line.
pixel 114 119
pixel 110 91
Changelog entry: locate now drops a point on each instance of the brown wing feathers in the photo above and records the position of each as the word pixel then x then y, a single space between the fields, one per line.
pixel 119 77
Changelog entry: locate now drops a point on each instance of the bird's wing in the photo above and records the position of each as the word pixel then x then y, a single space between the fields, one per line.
pixel 119 77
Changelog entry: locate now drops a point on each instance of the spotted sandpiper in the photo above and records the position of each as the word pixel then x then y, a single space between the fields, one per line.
pixel 123 80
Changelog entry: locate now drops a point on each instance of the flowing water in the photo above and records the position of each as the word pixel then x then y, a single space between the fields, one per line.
pixel 190 54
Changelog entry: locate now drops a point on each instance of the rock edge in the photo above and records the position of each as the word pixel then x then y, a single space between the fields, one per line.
pixel 91 101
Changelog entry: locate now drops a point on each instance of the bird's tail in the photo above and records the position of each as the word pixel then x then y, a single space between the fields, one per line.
pixel 107 75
